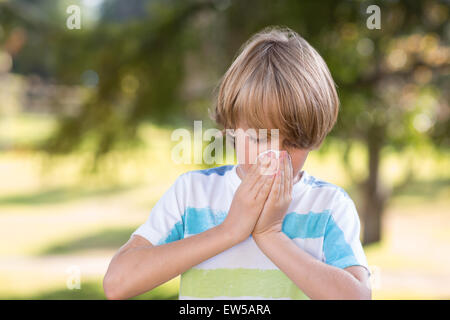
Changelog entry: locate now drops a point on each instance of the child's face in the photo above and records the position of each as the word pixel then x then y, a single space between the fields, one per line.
pixel 249 145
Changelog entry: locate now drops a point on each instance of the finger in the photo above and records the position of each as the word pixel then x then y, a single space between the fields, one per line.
pixel 275 190
pixel 288 175
pixel 266 160
pixel 251 175
pixel 252 169
pixel 257 175
pixel 283 176
pixel 266 186
pixel 259 185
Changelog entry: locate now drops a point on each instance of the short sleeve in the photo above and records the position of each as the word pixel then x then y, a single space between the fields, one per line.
pixel 165 223
pixel 341 244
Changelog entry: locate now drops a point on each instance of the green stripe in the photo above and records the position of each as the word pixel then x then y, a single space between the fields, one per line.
pixel 204 283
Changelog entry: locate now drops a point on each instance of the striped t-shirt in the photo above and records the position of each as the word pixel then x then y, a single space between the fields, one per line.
pixel 321 220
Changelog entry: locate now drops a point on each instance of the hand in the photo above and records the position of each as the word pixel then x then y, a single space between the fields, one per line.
pixel 278 201
pixel 249 200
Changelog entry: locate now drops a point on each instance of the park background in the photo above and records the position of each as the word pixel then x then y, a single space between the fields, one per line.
pixel 86 117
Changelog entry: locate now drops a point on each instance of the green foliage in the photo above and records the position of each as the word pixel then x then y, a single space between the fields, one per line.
pixel 93 290
pixel 146 55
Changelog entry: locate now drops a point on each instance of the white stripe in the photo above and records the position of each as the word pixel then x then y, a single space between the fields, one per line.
pixel 247 255
pixel 203 196
pixel 313 246
pixel 243 255
pixel 348 221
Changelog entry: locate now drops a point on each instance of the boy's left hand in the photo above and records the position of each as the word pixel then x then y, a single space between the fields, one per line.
pixel 278 201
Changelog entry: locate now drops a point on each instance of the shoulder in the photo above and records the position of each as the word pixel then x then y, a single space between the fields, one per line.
pixel 204 176
pixel 328 196
pixel 325 188
pixel 218 171
pixel 209 174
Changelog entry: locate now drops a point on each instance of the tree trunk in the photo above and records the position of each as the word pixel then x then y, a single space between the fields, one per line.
pixel 374 197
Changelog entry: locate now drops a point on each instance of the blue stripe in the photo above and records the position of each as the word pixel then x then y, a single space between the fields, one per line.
pixel 311 225
pixel 218 170
pixel 199 220
pixel 335 248
pixel 316 183
pixel 176 233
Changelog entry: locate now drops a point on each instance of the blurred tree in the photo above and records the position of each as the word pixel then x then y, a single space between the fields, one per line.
pixel 159 60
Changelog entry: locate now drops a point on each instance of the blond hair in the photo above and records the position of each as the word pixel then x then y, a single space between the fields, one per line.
pixel 279 81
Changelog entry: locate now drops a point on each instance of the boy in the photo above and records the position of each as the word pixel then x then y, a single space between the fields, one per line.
pixel 241 232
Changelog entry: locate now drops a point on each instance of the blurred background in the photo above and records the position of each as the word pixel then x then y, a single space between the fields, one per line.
pixel 90 92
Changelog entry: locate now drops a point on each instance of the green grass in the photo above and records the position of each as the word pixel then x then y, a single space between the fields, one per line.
pixel 93 290
pixel 99 240
pixel 25 129
pixel 60 195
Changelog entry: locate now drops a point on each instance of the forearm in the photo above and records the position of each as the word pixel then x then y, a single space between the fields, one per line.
pixel 315 278
pixel 141 269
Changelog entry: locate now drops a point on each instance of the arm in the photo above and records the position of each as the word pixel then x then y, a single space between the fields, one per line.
pixel 315 278
pixel 139 266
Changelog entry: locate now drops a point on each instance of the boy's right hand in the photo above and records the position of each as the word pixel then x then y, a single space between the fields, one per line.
pixel 249 199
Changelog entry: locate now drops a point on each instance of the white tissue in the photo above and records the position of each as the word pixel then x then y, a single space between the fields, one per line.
pixel 276 152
